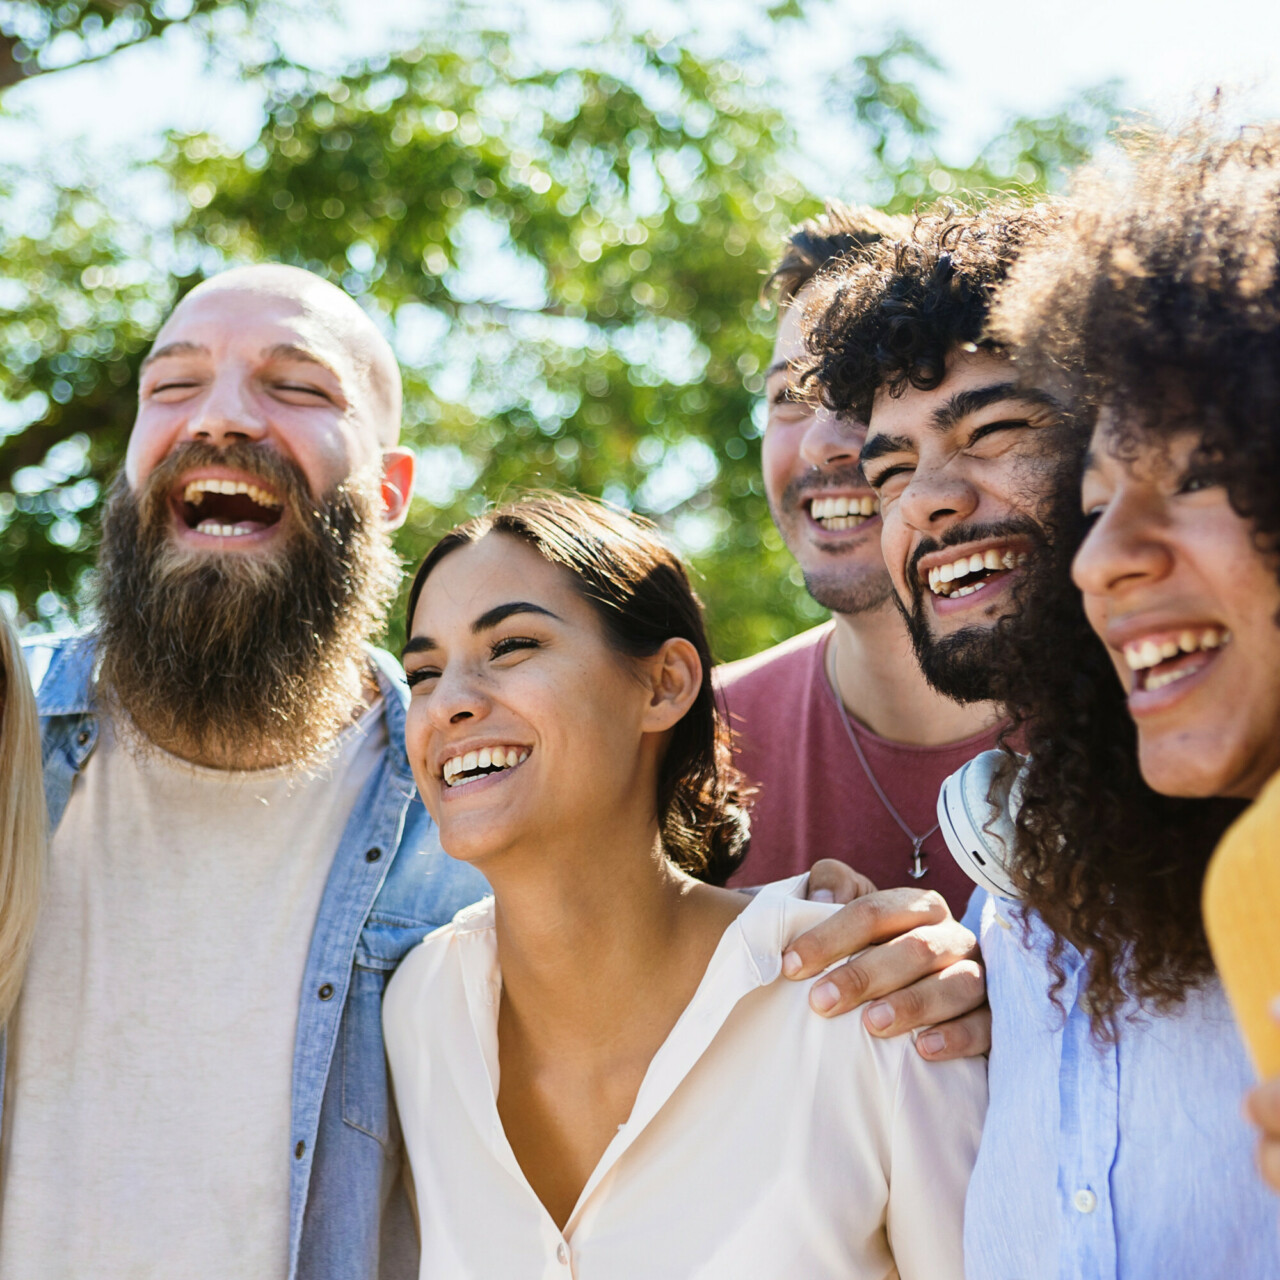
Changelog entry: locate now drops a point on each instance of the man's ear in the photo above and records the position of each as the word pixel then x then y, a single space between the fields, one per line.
pixel 674 678
pixel 397 486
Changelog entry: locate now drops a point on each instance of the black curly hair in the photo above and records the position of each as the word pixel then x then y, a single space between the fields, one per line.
pixel 640 590
pixel 891 316
pixel 838 230
pixel 1158 300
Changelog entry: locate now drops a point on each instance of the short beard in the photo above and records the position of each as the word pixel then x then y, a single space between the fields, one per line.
pixel 836 593
pixel 964 666
pixel 241 660
pixel 832 589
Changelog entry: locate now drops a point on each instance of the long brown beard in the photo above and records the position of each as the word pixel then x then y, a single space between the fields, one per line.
pixel 241 660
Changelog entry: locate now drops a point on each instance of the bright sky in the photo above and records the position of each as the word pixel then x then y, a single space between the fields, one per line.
pixel 1000 59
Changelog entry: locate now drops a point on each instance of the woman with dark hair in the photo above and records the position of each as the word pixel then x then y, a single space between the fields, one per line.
pixel 1157 311
pixel 598 1071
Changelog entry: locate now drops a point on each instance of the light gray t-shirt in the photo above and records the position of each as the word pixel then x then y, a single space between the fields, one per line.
pixel 147 1099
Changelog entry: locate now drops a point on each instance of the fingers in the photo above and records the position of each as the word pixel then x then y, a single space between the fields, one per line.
pixel 925 976
pixel 874 918
pixel 1263 1108
pixel 834 881
pixel 967 1037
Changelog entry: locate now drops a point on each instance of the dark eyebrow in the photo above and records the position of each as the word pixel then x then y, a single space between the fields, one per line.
pixel 500 613
pixel 419 644
pixel 878 446
pixel 485 622
pixel 780 366
pixel 975 399
pixel 289 351
pixel 175 349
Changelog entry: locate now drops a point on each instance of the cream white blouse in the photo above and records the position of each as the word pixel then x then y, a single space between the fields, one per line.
pixel 766 1143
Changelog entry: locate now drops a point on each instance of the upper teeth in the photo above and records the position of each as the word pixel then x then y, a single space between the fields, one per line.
pixel 831 508
pixel 1141 654
pixel 195 491
pixel 485 758
pixel 992 558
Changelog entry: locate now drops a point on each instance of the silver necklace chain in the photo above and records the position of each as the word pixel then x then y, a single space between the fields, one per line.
pixel 916 869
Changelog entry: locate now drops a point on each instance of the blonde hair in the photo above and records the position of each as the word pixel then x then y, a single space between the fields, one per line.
pixel 23 819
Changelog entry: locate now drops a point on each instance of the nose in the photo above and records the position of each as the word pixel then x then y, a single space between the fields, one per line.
pixel 227 414
pixel 937 497
pixel 830 440
pixel 1124 548
pixel 458 697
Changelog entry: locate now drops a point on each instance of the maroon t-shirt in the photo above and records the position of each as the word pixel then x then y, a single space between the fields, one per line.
pixel 813 799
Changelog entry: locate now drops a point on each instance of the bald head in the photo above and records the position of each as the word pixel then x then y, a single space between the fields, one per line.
pixel 330 314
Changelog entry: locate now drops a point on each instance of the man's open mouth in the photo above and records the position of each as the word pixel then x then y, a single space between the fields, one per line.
pixel 479 764
pixel 838 514
pixel 229 508
pixel 1163 659
pixel 969 573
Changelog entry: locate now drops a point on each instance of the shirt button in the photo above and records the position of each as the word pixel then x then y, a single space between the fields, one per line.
pixel 1084 1200
pixel 298 1150
pixel 562 1254
pixel 373 855
pixel 326 992
pixel 82 737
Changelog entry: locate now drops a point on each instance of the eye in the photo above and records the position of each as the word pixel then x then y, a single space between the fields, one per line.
pixel 294 389
pixel 989 429
pixel 890 481
pixel 421 674
pixel 511 644
pixel 1197 482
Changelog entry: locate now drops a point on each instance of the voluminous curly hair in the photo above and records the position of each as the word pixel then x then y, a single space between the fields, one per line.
pixel 640 591
pixel 891 316
pixel 839 230
pixel 1158 300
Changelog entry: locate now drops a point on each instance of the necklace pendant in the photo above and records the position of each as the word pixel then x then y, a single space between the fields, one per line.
pixel 917 868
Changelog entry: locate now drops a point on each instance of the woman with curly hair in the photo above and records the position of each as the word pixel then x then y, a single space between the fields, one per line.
pixel 22 819
pixel 1157 308
pixel 600 1071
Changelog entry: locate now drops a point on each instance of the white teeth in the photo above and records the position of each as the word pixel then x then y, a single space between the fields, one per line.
pixel 195 491
pixel 992 561
pixel 843 513
pixel 485 758
pixel 1140 655
pixel 215 530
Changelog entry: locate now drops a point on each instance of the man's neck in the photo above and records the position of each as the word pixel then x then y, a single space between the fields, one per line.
pixel 874 671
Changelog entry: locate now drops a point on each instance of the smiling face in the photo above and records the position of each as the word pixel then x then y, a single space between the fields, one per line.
pixel 823 508
pixel 962 473
pixel 275 358
pixel 526 728
pixel 1187 607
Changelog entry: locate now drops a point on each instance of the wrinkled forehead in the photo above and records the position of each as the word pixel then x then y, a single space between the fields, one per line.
pixel 219 318
pixel 248 318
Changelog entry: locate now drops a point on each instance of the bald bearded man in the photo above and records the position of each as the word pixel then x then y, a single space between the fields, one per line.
pixel 195 1079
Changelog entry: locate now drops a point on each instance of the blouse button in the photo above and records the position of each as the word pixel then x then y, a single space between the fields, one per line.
pixel 562 1254
pixel 1085 1201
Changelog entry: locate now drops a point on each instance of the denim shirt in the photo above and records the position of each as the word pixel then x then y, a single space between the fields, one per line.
pixel 1110 1161
pixel 390 885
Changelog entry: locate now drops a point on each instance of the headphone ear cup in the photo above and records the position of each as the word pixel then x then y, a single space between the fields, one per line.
pixel 976 811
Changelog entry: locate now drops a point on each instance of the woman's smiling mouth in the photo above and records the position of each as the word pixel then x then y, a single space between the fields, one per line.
pixel 473 766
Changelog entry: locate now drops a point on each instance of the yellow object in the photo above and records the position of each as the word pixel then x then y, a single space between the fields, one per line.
pixel 1242 918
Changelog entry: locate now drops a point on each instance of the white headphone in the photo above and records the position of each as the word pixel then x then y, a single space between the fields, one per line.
pixel 976 810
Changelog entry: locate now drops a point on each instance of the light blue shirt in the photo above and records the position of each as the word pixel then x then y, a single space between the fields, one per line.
pixel 390 885
pixel 1124 1161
